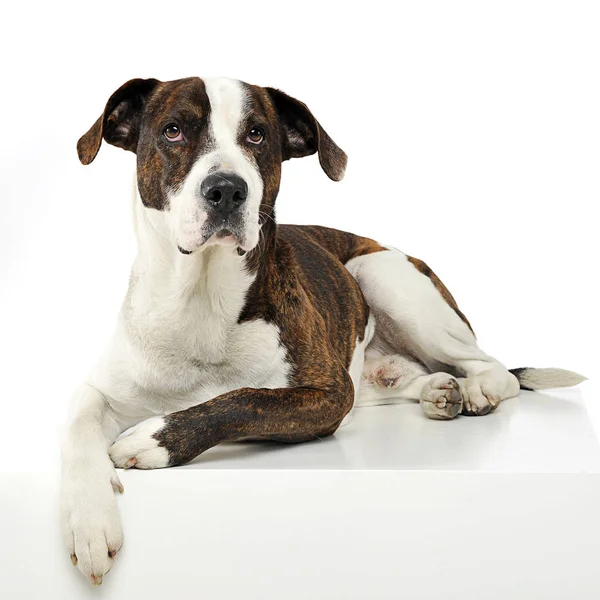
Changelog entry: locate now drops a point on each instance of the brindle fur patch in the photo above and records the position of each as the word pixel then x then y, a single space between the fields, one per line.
pixel 119 124
pixel 341 244
pixel 134 119
pixel 161 165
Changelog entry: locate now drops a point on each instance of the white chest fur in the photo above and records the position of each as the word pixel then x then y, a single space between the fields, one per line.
pixel 178 341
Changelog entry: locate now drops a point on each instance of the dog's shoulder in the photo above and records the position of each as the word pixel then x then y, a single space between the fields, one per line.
pixel 342 244
pixel 307 292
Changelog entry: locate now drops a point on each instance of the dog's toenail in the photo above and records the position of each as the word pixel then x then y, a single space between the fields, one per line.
pixel 117 485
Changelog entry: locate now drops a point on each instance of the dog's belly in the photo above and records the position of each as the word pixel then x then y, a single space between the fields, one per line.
pixel 162 374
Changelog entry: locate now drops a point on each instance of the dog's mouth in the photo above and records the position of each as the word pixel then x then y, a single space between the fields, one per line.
pixel 220 236
pixel 226 235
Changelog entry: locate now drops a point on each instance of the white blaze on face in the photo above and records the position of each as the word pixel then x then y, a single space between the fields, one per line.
pixel 187 213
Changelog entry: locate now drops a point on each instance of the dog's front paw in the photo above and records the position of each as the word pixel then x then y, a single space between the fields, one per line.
pixel 90 519
pixel 441 398
pixel 140 448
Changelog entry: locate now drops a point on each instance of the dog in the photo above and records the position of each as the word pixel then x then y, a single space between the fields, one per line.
pixel 234 327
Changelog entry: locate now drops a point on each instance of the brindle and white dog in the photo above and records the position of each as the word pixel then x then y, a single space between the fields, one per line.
pixel 234 327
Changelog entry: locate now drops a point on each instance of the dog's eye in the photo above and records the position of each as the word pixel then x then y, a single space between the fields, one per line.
pixel 173 133
pixel 255 136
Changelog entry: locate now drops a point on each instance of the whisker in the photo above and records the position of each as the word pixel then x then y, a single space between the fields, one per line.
pixel 260 212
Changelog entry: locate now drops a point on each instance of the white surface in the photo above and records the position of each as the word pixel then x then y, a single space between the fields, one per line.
pixel 320 534
pixel 393 506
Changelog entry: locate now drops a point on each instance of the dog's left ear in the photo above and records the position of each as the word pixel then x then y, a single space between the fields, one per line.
pixel 303 135
pixel 119 124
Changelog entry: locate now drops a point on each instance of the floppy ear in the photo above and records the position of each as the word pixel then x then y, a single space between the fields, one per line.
pixel 119 123
pixel 303 135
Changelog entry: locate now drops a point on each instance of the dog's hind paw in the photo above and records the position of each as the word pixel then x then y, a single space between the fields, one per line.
pixel 483 393
pixel 441 398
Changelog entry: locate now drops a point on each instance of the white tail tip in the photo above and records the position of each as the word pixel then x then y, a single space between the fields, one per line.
pixel 542 379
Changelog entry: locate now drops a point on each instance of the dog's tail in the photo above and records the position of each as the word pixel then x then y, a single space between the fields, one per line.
pixel 542 379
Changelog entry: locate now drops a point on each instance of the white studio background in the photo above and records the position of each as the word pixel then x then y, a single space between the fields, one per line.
pixel 473 135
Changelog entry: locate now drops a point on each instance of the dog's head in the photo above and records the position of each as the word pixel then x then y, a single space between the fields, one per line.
pixel 209 153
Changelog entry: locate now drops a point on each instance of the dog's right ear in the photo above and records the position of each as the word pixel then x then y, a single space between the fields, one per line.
pixel 119 123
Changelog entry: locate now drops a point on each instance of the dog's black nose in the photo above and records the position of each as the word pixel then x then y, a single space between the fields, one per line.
pixel 224 191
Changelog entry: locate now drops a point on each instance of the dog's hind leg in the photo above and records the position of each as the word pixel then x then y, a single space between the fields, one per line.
pixel 417 315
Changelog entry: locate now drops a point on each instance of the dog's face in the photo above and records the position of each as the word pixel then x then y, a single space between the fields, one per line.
pixel 209 153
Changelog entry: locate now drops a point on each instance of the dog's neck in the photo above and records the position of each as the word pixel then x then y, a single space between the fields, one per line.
pixel 180 306
pixel 163 275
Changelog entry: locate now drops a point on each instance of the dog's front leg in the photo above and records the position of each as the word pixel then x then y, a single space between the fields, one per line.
pixel 90 518
pixel 287 415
